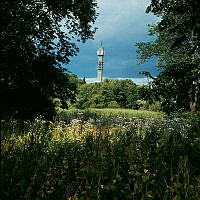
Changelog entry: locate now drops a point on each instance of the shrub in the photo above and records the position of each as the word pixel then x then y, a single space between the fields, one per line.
pixel 99 105
pixel 113 104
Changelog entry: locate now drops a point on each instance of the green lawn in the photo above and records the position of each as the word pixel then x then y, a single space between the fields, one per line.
pixel 119 112
pixel 127 112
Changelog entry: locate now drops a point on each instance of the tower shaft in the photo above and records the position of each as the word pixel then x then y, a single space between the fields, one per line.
pixel 100 54
pixel 100 68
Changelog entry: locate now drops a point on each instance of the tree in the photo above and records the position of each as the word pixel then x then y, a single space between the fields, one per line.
pixel 110 93
pixel 36 39
pixel 176 47
pixel 161 49
pixel 172 88
pixel 88 96
pixel 179 17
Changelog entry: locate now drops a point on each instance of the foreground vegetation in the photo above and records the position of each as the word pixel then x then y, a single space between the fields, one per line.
pixel 91 157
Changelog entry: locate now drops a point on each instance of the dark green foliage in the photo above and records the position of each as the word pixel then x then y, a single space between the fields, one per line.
pixel 31 94
pixel 36 38
pixel 109 94
pixel 176 48
pixel 172 88
pixel 180 18
pixel 173 158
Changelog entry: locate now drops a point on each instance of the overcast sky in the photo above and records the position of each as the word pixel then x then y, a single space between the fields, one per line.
pixel 120 25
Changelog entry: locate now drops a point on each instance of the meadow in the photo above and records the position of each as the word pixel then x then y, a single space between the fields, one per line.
pixel 126 112
pixel 93 155
pixel 106 112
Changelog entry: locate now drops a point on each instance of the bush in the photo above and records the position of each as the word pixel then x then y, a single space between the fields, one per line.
pixel 99 105
pixel 144 105
pixel 113 104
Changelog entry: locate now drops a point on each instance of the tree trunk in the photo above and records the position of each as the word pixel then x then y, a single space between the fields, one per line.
pixel 193 94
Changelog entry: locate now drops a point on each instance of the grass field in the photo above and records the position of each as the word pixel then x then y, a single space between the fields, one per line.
pixel 114 112
pixel 127 112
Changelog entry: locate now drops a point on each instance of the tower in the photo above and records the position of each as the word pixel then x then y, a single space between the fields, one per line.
pixel 100 54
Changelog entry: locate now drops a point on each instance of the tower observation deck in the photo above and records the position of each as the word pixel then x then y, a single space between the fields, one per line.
pixel 100 54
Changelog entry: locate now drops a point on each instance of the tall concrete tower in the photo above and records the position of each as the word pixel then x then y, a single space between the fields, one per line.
pixel 100 54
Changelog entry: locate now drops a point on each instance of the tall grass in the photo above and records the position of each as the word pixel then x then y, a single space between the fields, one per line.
pixel 87 158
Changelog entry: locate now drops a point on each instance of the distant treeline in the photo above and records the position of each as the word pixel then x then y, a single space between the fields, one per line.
pixel 126 94
pixel 110 94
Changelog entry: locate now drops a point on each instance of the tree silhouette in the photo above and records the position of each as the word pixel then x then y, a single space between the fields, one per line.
pixel 37 37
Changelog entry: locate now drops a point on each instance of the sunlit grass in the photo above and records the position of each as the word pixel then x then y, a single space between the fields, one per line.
pixel 127 112
pixel 115 112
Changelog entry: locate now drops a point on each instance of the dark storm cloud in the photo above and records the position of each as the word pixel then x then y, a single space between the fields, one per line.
pixel 120 25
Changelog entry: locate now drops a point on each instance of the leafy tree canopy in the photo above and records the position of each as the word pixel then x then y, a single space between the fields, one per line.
pixel 110 93
pixel 36 38
pixel 179 17
pixel 161 49
pixel 177 48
